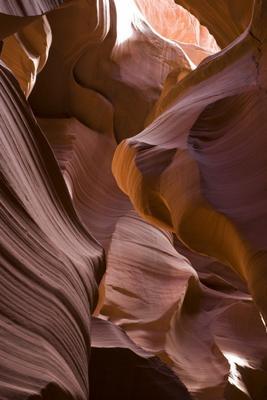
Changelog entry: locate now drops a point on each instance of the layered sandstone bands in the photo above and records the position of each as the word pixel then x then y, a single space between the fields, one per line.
pixel 226 21
pixel 191 119
pixel 50 265
pixel 147 150
pixel 20 8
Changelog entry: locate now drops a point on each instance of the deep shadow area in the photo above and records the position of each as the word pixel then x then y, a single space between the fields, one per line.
pixel 117 373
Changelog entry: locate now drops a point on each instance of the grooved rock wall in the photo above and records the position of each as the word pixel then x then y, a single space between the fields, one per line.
pixel 133 192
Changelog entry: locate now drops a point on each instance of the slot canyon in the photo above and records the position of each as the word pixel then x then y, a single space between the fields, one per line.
pixel 133 165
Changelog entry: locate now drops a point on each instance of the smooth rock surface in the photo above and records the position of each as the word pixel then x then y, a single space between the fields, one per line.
pixel 133 200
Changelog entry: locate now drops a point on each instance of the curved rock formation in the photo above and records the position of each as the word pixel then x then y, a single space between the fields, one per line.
pixel 26 52
pixel 20 8
pixel 114 70
pixel 171 165
pixel 15 14
pixel 79 151
pixel 118 363
pixel 50 265
pixel 226 20
pixel 187 170
pixel 142 89
pixel 176 23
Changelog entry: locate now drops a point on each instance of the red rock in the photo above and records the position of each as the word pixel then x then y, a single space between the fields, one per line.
pixel 143 154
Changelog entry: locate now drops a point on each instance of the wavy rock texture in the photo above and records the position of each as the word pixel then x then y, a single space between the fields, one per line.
pixel 182 27
pixel 15 14
pixel 163 192
pixel 119 363
pixel 114 87
pixel 50 265
pixel 20 8
pixel 187 170
pixel 125 86
pixel 226 20
pixel 80 151
pixel 26 52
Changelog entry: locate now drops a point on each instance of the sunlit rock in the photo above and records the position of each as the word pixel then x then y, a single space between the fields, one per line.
pixel 133 200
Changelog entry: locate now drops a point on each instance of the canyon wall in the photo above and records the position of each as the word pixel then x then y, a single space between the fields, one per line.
pixel 133 193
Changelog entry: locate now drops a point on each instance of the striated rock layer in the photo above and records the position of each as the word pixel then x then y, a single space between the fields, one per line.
pixel 172 164
pixel 50 265
pixel 133 196
pixel 226 20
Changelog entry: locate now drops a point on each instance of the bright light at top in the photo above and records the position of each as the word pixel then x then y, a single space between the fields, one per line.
pixel 127 16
